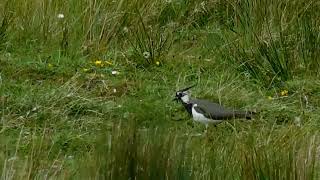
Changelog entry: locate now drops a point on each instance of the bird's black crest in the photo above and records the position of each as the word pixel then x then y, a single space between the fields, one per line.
pixel 186 89
pixel 182 92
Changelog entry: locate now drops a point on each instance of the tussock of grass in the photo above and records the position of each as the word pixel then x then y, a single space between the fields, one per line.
pixel 86 89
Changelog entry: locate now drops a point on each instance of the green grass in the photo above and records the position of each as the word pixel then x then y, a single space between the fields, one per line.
pixel 64 115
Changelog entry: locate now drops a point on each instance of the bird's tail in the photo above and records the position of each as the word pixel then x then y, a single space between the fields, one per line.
pixel 244 114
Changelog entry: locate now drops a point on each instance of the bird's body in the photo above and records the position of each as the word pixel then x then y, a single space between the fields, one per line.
pixel 208 112
pixel 198 117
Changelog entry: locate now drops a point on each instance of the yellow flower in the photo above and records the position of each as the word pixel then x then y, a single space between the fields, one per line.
pixel 157 63
pixel 85 69
pixel 270 98
pixel 98 63
pixel 284 93
pixel 50 65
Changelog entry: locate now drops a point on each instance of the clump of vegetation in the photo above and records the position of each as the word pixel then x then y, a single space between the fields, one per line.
pixel 86 89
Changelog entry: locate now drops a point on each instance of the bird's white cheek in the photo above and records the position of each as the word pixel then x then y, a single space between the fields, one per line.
pixel 185 99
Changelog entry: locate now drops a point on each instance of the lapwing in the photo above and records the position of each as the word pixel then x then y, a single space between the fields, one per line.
pixel 207 112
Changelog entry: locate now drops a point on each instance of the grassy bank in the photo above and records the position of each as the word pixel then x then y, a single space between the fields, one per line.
pixel 86 89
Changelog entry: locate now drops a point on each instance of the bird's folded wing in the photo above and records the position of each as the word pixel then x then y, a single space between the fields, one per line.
pixel 215 113
pixel 202 110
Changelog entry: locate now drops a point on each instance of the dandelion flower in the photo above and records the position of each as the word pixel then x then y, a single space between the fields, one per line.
pixel 284 93
pixel 114 72
pixel 60 16
pixel 98 63
pixel 269 97
pixel 85 69
pixel 157 63
pixel 146 55
pixel 50 65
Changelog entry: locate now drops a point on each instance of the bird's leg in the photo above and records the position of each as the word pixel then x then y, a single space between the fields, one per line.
pixel 205 131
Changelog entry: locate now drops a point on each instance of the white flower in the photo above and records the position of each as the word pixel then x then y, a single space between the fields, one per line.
pixel 114 90
pixel 60 16
pixel 146 54
pixel 114 72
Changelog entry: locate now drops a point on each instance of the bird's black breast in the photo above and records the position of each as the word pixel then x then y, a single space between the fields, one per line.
pixel 188 107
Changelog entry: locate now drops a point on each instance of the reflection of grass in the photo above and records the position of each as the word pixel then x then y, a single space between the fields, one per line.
pixel 74 104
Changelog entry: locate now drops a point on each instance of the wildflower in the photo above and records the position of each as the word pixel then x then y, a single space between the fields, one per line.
pixel 114 90
pixel 269 98
pixel 157 63
pixel 284 93
pixel 146 55
pixel 85 69
pixel 60 16
pixel 98 63
pixel 114 72
pixel 50 65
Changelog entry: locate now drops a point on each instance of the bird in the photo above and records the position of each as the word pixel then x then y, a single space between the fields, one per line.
pixel 208 112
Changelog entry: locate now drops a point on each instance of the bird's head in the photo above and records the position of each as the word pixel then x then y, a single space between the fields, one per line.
pixel 182 95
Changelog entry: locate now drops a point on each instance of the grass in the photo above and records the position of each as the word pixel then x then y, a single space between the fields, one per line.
pixel 89 95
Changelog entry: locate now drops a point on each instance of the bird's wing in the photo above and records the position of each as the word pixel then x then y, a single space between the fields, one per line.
pixel 202 110
pixel 218 112
pixel 213 110
pixel 207 104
